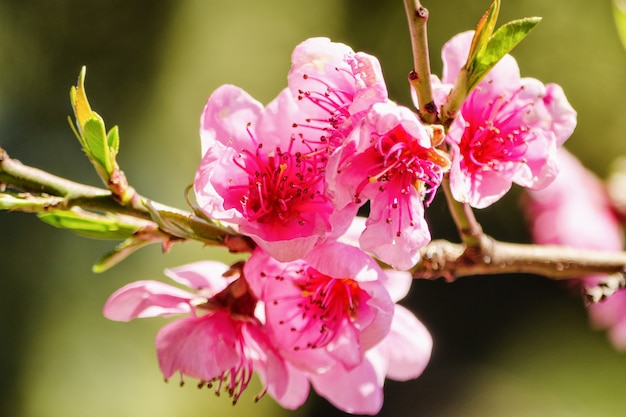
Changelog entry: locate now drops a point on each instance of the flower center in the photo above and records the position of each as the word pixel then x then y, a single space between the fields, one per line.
pixel 495 135
pixel 237 299
pixel 283 187
pixel 400 159
pixel 323 305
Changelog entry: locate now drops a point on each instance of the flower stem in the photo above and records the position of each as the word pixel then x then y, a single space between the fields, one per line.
pixel 419 77
pixel 470 231
pixel 455 99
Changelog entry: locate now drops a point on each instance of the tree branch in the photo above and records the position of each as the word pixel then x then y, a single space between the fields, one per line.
pixel 441 258
pixel 45 192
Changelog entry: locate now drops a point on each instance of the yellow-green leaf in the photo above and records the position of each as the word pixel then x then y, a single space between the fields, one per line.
pixel 89 224
pixel 80 104
pixel 484 30
pixel 96 144
pixel 113 140
pixel 501 43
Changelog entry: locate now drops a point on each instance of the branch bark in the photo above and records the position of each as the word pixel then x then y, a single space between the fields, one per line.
pixel 48 192
pixel 419 77
pixel 444 259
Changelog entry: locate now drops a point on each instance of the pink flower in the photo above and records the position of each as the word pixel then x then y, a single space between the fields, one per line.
pixel 575 210
pixel 402 355
pixel 326 309
pixel 257 173
pixel 507 131
pixel 221 341
pixel 332 316
pixel 335 87
pixel 389 159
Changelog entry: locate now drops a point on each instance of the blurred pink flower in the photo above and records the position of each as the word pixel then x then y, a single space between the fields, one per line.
pixel 507 131
pixel 258 174
pixel 334 87
pixel 575 210
pixel 389 159
pixel 221 341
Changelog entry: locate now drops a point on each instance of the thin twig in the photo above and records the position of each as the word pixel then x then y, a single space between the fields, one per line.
pixel 469 229
pixel 64 194
pixel 419 77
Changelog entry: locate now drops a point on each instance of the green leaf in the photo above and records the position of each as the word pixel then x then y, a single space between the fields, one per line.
pixel 113 139
pixel 96 143
pixel 119 253
pixel 78 97
pixel 89 224
pixel 619 13
pixel 100 147
pixel 27 202
pixel 484 30
pixel 189 227
pixel 501 43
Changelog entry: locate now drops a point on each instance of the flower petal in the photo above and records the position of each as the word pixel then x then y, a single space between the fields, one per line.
pixel 226 116
pixel 205 275
pixel 357 391
pixel 199 347
pixel 396 235
pixel 407 348
pixel 287 385
pixel 147 299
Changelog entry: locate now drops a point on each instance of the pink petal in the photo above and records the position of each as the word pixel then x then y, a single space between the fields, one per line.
pixel 454 54
pixel 398 284
pixel 345 347
pixel 282 242
pixel 563 114
pixel 320 59
pixel 371 86
pixel 205 275
pixel 226 116
pixel 199 347
pixel 381 234
pixel 212 181
pixel 352 235
pixel 330 259
pixel 287 385
pixel 481 189
pixel 407 348
pixel 147 299
pixel 358 391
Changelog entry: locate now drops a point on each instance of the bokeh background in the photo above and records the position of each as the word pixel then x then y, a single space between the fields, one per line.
pixel 504 345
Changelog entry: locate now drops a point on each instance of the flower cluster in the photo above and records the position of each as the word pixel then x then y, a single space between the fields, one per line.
pixel 318 321
pixel 304 309
pixel 292 175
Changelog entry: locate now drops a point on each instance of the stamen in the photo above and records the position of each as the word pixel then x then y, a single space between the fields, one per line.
pixel 282 186
pixel 495 135
pixel 321 307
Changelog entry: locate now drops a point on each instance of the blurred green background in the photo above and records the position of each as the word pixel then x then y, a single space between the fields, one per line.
pixel 504 346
